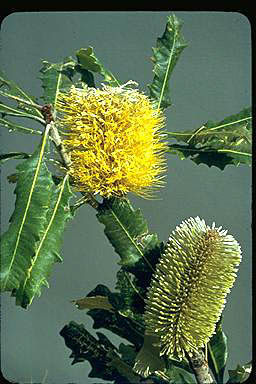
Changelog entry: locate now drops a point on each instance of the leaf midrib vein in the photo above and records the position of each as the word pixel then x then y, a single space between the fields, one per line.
pixel 130 239
pixel 46 231
pixel 28 202
pixel 167 71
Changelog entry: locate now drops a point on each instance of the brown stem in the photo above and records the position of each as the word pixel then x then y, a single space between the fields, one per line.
pixel 49 119
pixel 200 367
pixel 60 147
pixel 87 197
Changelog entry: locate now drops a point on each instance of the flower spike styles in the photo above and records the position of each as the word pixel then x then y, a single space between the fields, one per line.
pixel 188 290
pixel 114 139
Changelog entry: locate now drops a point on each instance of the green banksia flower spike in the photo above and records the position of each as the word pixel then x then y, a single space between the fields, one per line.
pixel 188 290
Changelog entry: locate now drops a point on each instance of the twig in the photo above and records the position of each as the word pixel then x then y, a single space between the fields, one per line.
pixel 87 198
pixel 200 367
pixel 60 147
pixel 54 134
pixel 49 120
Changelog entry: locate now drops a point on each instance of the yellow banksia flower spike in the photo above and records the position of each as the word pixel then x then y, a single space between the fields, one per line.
pixel 188 290
pixel 114 139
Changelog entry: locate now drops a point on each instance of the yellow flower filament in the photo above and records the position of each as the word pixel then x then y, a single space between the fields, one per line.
pixel 114 139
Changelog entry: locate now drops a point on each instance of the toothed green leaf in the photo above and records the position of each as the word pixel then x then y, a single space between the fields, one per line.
pixel 217 143
pixel 12 155
pixel 28 219
pixel 10 111
pixel 13 127
pixel 26 103
pixel 179 375
pixel 123 227
pixel 165 57
pixel 56 78
pixel 90 62
pixel 240 374
pixel 123 326
pixel 31 244
pixel 47 250
pixel 101 354
pixel 100 302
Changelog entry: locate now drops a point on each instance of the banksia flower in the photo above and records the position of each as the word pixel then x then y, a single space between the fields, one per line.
pixel 114 139
pixel 188 290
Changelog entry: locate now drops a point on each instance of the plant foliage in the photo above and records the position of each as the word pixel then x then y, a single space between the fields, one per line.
pixel 126 230
pixel 218 353
pixel 217 143
pixel 89 62
pixel 27 106
pixel 241 374
pixel 56 78
pixel 32 243
pixel 165 57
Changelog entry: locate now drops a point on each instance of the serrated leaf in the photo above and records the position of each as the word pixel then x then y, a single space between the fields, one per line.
pixel 240 374
pixel 10 111
pixel 13 127
pixel 13 155
pixel 152 249
pixel 56 78
pixel 165 57
pixel 100 302
pixel 47 250
pixel 218 353
pixel 218 143
pixel 122 326
pixel 126 288
pixel 90 62
pixel 86 77
pixel 27 220
pixel 129 301
pixel 26 103
pixel 101 354
pixel 123 226
pixel 84 346
pixel 33 227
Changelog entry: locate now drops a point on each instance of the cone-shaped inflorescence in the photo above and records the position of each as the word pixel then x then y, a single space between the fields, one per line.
pixel 188 290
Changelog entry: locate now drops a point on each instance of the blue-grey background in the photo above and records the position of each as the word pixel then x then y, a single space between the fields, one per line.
pixel 211 81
